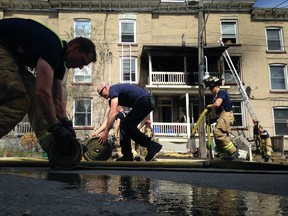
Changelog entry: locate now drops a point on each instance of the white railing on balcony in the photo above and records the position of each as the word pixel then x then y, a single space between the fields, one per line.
pixel 20 129
pixel 170 129
pixel 169 78
pixel 177 78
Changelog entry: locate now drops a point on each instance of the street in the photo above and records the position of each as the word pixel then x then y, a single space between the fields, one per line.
pixel 121 190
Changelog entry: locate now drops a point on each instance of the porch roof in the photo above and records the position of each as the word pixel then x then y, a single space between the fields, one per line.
pixel 156 50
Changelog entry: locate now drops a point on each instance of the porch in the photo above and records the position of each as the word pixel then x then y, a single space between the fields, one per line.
pixel 175 78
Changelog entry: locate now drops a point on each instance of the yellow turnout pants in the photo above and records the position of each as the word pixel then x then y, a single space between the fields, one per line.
pixel 221 132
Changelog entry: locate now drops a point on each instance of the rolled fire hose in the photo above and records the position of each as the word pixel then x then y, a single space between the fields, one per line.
pixel 96 151
pixel 65 153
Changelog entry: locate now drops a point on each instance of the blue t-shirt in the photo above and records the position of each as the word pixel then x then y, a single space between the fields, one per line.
pixel 121 115
pixel 128 94
pixel 30 40
pixel 226 104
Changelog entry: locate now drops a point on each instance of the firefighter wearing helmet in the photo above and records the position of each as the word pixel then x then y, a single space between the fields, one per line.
pixel 225 119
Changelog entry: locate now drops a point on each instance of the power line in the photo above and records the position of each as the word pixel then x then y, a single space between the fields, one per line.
pixel 279 5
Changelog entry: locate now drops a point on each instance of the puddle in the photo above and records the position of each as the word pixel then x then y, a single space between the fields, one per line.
pixel 170 198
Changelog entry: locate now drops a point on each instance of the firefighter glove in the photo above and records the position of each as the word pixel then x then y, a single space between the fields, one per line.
pixel 209 107
pixel 60 132
pixel 68 125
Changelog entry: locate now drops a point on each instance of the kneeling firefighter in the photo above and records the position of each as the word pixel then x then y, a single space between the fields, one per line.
pixel 225 119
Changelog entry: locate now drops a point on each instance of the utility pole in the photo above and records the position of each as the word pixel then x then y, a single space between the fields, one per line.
pixel 201 106
pixel 201 130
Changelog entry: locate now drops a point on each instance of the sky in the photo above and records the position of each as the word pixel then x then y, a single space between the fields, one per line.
pixel 271 3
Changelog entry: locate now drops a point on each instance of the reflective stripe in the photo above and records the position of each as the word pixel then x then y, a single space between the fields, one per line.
pixel 44 140
pixel 229 146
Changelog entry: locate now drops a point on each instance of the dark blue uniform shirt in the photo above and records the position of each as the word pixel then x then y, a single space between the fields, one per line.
pixel 29 40
pixel 226 104
pixel 128 94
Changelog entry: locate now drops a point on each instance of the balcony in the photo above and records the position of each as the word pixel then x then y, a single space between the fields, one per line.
pixel 177 78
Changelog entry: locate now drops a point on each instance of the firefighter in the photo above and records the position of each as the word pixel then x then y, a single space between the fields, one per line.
pixel 257 138
pixel 266 143
pixel 121 114
pixel 142 103
pixel 26 43
pixel 225 119
pixel 148 131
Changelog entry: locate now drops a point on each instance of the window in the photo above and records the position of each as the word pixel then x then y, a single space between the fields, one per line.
pixel 238 114
pixel 83 75
pixel 129 69
pixel 82 27
pixel 229 78
pixel 127 31
pixel 281 121
pixel 278 77
pixel 229 31
pixel 165 109
pixel 82 112
pixel 274 39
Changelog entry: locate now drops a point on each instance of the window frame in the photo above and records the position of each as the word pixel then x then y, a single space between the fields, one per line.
pixel 127 21
pixel 242 114
pixel 130 59
pixel 285 77
pixel 237 67
pixel 280 34
pixel 82 20
pixel 235 25
pixel 75 112
pixel 85 73
pixel 285 121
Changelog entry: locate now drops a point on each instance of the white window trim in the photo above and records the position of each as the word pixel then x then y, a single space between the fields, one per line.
pixel 120 30
pixel 273 114
pixel 285 77
pixel 74 111
pixel 136 69
pixel 79 72
pixel 281 38
pixel 235 27
pixel 244 125
pixel 82 20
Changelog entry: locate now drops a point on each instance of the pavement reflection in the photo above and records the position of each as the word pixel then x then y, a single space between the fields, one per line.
pixel 169 197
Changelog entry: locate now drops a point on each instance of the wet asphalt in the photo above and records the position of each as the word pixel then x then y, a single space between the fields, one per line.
pixel 30 191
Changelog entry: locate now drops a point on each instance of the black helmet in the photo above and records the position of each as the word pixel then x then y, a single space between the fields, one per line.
pixel 212 81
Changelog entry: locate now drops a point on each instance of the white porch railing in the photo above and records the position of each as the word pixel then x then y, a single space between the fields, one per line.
pixel 170 129
pixel 20 129
pixel 169 78
pixel 176 78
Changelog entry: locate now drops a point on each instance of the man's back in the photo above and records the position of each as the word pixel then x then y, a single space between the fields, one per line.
pixel 30 40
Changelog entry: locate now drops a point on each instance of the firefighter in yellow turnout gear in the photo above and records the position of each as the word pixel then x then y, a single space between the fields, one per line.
pixel 265 142
pixel 225 119
pixel 148 131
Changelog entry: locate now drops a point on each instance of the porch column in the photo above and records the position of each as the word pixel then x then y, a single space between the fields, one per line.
pixel 188 115
pixel 150 69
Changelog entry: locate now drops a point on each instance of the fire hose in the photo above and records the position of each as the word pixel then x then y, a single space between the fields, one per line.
pixel 194 130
